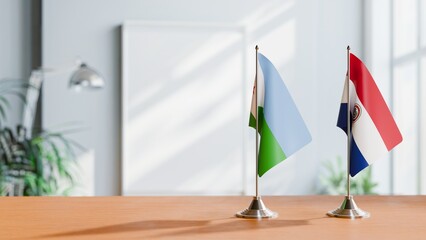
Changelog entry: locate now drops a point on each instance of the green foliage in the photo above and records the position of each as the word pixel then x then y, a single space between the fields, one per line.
pixel 334 181
pixel 33 166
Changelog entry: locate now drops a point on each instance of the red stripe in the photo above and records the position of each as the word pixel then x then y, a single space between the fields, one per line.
pixel 372 99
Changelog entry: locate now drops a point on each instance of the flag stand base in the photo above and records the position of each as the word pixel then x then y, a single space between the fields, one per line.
pixel 348 209
pixel 257 209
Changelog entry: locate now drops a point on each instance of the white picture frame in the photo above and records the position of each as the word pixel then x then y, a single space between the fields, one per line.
pixel 215 54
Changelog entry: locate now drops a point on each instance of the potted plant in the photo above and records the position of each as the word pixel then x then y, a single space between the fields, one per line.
pixel 40 164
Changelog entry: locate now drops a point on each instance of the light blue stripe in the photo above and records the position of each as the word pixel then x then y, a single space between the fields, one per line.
pixel 280 111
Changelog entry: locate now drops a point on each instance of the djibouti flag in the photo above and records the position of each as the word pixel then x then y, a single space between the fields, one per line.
pixel 281 127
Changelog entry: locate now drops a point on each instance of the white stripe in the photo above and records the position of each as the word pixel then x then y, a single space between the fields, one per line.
pixel 345 91
pixel 367 137
pixel 352 92
pixel 353 95
pixel 260 91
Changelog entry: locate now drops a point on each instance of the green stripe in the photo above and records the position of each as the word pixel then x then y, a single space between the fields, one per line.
pixel 252 121
pixel 270 152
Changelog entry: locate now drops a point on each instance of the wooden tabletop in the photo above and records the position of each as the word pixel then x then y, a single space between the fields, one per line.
pixel 301 217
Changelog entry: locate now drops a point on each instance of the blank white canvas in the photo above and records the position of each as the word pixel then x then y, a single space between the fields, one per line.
pixel 182 109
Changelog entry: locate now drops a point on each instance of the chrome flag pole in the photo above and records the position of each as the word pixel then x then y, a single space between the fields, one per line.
pixel 348 209
pixel 257 208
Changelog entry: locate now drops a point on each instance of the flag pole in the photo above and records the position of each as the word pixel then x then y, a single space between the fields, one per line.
pixel 348 209
pixel 257 208
pixel 348 124
pixel 257 128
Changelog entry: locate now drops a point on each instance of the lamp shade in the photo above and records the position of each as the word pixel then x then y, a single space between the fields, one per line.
pixel 86 77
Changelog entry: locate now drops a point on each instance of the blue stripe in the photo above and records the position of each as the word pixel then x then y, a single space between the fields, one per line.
pixel 358 161
pixel 343 116
pixel 280 111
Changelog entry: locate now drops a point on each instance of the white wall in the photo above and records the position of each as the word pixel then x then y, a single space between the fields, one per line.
pixel 305 39
pixel 15 47
pixel 340 23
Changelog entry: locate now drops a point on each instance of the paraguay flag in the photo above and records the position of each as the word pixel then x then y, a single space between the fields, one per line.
pixel 281 127
pixel 374 131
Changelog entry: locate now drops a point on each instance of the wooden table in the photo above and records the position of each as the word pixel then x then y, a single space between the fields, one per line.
pixel 301 217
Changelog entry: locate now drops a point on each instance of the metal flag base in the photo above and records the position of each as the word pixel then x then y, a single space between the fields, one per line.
pixel 349 209
pixel 257 209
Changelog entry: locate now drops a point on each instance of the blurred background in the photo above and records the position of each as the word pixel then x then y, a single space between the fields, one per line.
pixel 172 115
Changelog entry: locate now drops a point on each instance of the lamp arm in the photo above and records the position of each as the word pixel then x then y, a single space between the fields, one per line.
pixel 32 97
pixel 58 70
pixel 33 93
pixel 83 76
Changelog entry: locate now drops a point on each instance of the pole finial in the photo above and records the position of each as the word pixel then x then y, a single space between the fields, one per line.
pixel 348 48
pixel 257 47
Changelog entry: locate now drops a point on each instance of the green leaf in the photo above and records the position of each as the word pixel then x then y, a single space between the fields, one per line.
pixel 4 101
pixel 48 159
pixel 30 180
pixel 2 113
